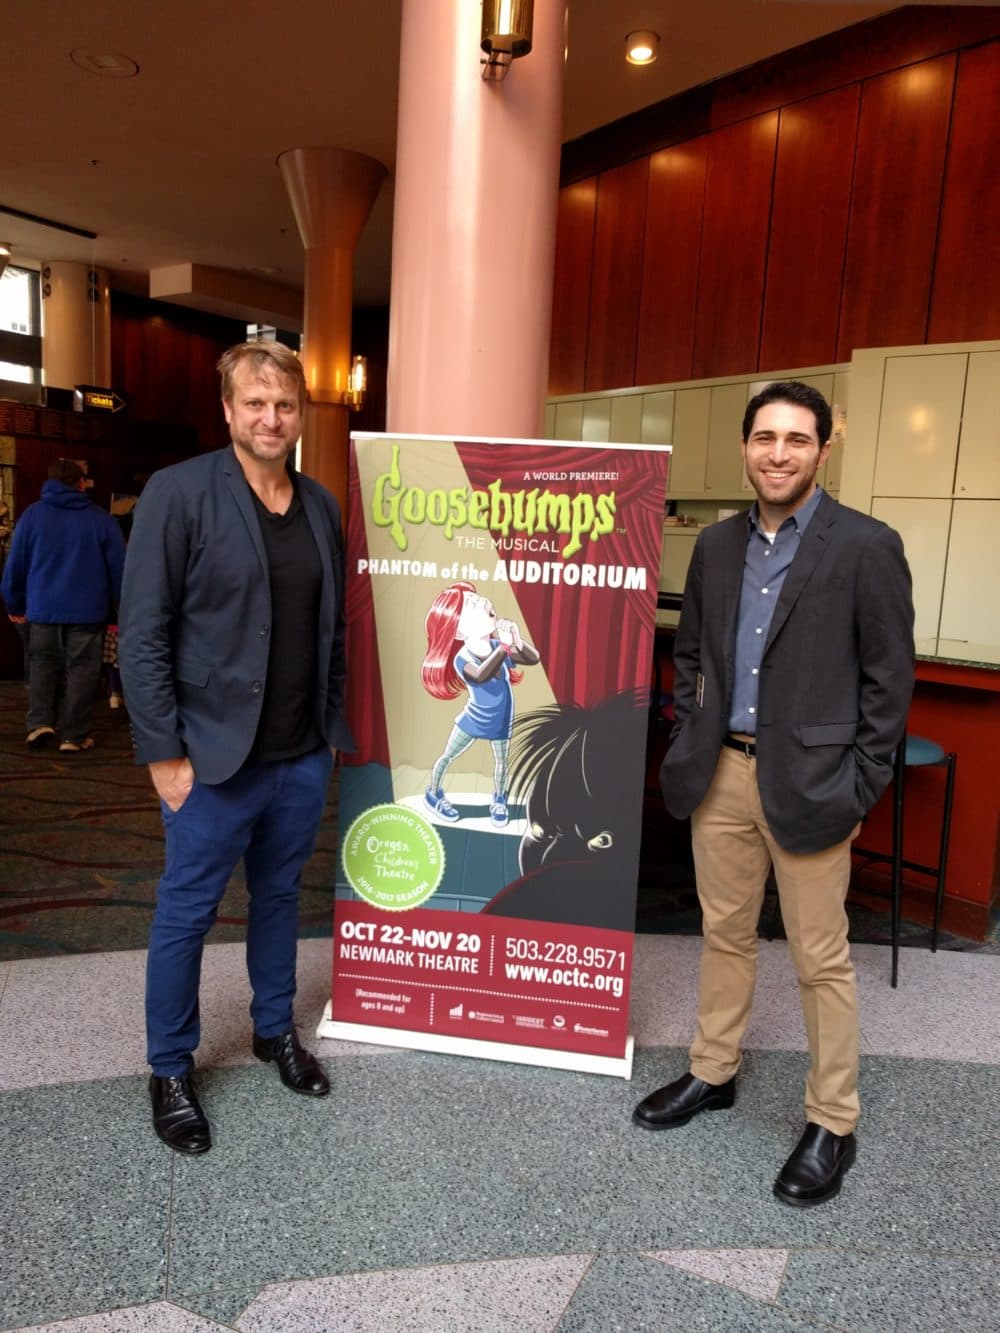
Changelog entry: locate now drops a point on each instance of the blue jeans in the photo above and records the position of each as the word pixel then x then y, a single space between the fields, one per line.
pixel 267 814
pixel 64 660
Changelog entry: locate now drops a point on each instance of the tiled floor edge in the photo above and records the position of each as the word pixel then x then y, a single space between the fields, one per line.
pixel 572 1296
pixel 194 1303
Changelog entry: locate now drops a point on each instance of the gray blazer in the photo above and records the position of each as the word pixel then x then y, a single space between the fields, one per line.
pixel 835 682
pixel 195 618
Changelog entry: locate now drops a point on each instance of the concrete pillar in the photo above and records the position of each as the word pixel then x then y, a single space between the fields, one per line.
pixel 332 192
pixel 477 181
pixel 76 325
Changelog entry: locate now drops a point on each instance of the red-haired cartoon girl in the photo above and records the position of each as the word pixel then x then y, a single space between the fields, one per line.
pixel 468 649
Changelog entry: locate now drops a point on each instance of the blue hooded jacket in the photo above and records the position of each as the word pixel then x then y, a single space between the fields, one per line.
pixel 65 562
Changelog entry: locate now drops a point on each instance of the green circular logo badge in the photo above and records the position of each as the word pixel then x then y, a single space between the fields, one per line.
pixel 393 857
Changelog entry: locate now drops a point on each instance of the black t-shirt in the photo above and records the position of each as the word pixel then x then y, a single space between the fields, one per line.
pixel 289 723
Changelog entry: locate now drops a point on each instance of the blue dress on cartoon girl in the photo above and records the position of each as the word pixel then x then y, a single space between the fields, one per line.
pixel 489 713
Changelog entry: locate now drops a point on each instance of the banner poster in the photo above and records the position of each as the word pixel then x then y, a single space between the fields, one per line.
pixel 501 607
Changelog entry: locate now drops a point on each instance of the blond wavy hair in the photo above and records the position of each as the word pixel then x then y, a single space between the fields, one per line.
pixel 262 359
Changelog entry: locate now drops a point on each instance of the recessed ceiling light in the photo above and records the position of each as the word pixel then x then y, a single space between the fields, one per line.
pixel 106 64
pixel 641 47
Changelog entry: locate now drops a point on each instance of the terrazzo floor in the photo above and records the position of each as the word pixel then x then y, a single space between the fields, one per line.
pixel 442 1194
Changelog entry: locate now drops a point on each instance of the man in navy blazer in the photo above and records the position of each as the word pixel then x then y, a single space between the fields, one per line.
pixel 231 643
pixel 793 674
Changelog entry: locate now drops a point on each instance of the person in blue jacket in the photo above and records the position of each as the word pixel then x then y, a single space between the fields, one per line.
pixel 63 578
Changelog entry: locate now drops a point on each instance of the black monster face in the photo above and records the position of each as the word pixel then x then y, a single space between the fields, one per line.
pixel 571 766
pixel 571 828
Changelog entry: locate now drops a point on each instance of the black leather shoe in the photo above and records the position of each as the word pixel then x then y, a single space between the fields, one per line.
pixel 177 1117
pixel 815 1169
pixel 676 1103
pixel 299 1069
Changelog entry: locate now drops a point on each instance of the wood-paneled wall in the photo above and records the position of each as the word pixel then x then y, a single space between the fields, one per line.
pixel 163 359
pixel 965 301
pixel 616 275
pixel 734 246
pixel 843 195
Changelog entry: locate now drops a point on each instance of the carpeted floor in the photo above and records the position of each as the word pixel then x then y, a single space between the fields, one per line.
pixel 82 849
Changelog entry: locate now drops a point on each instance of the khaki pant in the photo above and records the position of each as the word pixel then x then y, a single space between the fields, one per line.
pixel 733 852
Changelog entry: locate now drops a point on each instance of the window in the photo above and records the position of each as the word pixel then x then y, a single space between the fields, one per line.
pixel 19 314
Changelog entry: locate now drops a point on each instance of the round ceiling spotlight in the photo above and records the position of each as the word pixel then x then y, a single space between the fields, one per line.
pixel 642 47
pixel 105 64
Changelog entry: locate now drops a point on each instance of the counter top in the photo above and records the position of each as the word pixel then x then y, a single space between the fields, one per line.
pixel 969 675
pixel 941 670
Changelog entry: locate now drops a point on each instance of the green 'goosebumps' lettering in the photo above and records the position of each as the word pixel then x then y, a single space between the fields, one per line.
pixel 386 514
pixel 575 517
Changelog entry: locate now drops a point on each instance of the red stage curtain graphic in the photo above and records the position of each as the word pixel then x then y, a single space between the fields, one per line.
pixel 365 703
pixel 559 622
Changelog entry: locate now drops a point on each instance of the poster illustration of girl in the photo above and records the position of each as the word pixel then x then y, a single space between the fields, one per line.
pixel 470 651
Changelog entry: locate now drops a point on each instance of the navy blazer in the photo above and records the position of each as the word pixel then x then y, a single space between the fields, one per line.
pixel 195 617
pixel 835 680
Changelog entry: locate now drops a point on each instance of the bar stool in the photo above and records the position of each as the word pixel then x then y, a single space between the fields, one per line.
pixel 916 752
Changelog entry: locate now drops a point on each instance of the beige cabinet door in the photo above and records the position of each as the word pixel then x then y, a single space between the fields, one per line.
pixel 724 464
pixel 825 385
pixel 841 420
pixel 569 420
pixel 626 419
pixel 687 432
pixel 923 526
pixel 596 426
pixel 675 556
pixel 978 473
pixel 919 422
pixel 970 612
pixel 656 423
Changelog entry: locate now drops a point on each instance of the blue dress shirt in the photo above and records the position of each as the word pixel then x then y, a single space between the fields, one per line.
pixel 764 569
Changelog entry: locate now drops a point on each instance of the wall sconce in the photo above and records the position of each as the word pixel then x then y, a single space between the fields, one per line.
pixel 354 395
pixel 505 35
pixel 5 249
pixel 642 47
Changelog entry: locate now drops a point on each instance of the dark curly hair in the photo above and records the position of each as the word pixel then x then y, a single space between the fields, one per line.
pixel 791 391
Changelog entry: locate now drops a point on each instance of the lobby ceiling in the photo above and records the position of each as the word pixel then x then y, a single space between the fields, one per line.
pixel 177 164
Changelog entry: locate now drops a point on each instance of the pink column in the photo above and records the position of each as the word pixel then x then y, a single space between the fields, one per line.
pixel 332 191
pixel 477 180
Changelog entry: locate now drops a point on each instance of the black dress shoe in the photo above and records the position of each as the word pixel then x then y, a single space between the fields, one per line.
pixel 815 1169
pixel 299 1069
pixel 676 1103
pixel 177 1117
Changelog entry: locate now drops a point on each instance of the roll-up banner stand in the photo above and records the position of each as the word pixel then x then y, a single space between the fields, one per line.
pixel 501 608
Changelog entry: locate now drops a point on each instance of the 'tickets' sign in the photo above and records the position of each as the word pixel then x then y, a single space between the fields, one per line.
pixel 501 602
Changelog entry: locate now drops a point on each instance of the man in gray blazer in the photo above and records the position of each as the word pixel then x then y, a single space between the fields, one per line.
pixel 232 658
pixel 793 674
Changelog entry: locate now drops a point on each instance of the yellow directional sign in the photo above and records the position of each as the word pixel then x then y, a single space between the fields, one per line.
pixel 92 398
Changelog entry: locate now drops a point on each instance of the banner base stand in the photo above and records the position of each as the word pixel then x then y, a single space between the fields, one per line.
pixel 577 1061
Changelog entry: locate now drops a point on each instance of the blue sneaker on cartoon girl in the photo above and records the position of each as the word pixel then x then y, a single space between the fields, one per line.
pixel 438 803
